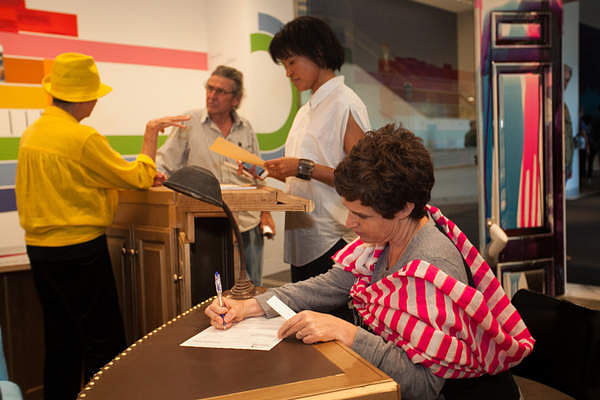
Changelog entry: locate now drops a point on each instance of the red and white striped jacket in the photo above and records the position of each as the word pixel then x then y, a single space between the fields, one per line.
pixel 456 330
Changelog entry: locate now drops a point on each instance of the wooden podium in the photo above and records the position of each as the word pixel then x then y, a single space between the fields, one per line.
pixel 165 248
pixel 157 367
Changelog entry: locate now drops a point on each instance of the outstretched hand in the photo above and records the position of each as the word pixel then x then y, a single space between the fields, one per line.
pixel 160 124
pixel 313 327
pixel 159 178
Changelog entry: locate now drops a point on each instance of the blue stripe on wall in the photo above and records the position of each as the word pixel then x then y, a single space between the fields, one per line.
pixel 8 201
pixel 8 171
pixel 268 23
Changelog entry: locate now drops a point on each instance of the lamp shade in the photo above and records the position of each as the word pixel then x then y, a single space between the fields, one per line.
pixel 201 184
pixel 198 183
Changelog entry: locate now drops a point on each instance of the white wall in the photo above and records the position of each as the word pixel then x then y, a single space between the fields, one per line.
pixel 140 92
pixel 220 28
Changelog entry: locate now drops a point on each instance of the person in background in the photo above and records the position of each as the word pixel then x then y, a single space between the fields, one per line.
pixel 66 188
pixel 323 132
pixel 568 132
pixel 190 146
pixel 471 135
pixel 415 282
pixel 594 144
pixel 583 144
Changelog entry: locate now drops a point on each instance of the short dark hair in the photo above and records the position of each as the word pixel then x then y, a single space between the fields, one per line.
pixel 235 75
pixel 386 169
pixel 59 102
pixel 309 37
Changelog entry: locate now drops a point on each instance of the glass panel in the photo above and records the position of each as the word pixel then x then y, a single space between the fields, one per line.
pixel 520 162
pixel 413 64
pixel 521 29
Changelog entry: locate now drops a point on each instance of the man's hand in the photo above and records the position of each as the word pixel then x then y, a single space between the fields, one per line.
pixel 281 168
pixel 313 327
pixel 159 178
pixel 266 219
pixel 160 124
pixel 155 126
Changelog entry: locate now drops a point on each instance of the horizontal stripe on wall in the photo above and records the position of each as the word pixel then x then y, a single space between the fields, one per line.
pixel 15 17
pixel 23 96
pixel 24 70
pixel 8 170
pixel 8 200
pixel 25 45
pixel 124 144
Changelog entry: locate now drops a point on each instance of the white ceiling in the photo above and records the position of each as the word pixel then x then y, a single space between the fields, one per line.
pixel 449 5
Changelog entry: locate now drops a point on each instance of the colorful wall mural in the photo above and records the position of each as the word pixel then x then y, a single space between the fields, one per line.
pixel 157 65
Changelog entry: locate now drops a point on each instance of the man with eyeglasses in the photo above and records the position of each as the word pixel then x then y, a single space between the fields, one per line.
pixel 190 146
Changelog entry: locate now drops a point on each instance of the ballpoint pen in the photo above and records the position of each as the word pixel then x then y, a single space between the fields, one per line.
pixel 219 292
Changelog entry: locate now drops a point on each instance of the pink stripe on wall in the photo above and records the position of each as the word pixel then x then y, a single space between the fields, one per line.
pixel 49 47
pixel 530 174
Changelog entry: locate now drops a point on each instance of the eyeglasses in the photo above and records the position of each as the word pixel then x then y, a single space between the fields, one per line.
pixel 219 91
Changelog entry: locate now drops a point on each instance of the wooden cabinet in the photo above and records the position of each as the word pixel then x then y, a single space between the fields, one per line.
pixel 165 248
pixel 143 264
pixel 22 330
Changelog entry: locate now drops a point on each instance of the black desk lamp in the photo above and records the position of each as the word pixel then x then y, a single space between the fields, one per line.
pixel 201 184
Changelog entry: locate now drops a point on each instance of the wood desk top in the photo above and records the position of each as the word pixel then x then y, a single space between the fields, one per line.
pixel 156 367
pixel 262 198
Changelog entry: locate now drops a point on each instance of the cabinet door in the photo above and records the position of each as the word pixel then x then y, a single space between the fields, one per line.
pixel 23 332
pixel 154 278
pixel 121 256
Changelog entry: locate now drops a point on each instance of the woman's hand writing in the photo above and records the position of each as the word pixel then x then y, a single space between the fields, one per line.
pixel 231 311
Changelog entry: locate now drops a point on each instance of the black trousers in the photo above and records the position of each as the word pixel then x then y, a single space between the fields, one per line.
pixel 318 266
pixel 83 327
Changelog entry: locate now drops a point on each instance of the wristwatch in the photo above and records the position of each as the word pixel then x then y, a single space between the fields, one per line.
pixel 305 169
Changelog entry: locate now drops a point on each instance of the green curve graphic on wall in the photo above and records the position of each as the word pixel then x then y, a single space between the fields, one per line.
pixel 124 144
pixel 273 140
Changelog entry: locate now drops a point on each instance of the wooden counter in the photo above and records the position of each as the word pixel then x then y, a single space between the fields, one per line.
pixel 157 367
pixel 165 248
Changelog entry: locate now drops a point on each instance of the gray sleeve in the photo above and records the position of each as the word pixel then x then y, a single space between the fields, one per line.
pixel 173 154
pixel 415 380
pixel 321 293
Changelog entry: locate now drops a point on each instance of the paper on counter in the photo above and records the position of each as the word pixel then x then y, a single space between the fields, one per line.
pixel 281 308
pixel 258 333
pixel 230 186
pixel 228 149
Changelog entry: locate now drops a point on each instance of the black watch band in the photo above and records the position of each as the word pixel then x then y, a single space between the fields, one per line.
pixel 305 169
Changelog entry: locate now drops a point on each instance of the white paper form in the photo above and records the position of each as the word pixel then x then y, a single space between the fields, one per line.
pixel 258 333
pixel 281 308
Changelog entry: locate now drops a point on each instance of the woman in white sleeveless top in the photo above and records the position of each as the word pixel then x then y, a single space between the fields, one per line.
pixel 323 132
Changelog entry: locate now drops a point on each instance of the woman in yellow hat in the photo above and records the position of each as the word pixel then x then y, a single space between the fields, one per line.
pixel 66 188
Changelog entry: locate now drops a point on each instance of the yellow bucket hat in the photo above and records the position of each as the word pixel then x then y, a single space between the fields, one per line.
pixel 74 77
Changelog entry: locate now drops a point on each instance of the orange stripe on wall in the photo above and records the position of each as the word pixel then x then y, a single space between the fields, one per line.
pixel 23 70
pixel 23 97
pixel 47 65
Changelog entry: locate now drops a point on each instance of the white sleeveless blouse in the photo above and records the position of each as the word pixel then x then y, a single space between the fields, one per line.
pixel 318 134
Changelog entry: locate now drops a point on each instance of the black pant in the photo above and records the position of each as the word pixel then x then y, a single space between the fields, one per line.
pixel 594 149
pixel 582 165
pixel 83 327
pixel 318 266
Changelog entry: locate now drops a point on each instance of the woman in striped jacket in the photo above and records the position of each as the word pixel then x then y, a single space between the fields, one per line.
pixel 429 311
